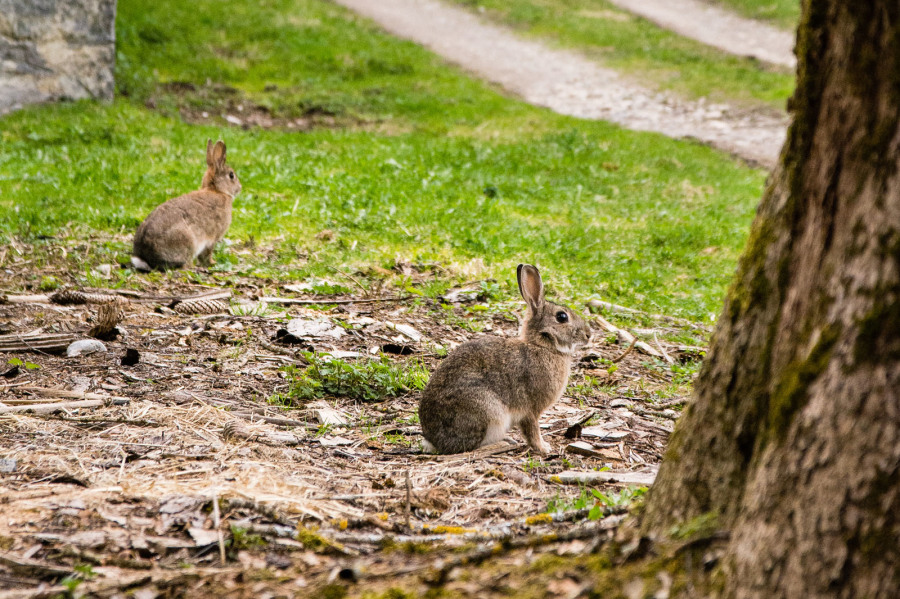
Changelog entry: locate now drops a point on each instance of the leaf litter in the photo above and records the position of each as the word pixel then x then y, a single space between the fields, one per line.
pixel 202 460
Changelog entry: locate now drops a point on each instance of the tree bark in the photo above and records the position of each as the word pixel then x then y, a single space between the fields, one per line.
pixel 792 441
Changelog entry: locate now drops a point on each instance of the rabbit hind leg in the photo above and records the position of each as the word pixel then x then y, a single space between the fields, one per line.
pixel 204 258
pixel 499 423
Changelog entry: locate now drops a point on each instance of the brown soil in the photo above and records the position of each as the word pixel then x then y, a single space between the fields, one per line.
pixel 225 106
pixel 126 492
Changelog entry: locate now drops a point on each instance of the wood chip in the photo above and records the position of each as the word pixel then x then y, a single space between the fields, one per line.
pixel 575 477
pixel 588 450
pixel 601 433
pixel 334 441
pixel 325 414
pixel 406 330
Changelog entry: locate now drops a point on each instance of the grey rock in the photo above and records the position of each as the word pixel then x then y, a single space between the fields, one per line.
pixel 84 347
pixel 56 49
pixel 316 329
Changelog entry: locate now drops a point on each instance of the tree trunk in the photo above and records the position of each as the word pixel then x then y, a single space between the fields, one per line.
pixel 792 441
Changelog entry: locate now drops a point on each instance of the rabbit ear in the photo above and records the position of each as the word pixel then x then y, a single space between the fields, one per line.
pixel 209 154
pixel 218 155
pixel 530 285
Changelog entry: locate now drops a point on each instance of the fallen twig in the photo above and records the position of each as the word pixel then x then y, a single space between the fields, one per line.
pixel 408 496
pixel 33 567
pixel 629 338
pixel 625 353
pixel 25 299
pixel 666 356
pixel 499 533
pixel 147 423
pixel 41 342
pixel 291 300
pixel 46 408
pixel 611 307
pixel 212 294
pixel 47 392
pixel 481 452
pixel 494 549
pixel 655 413
pixel 217 523
pixel 254 417
pixel 237 430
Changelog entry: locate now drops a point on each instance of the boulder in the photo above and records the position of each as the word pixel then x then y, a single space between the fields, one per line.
pixel 56 49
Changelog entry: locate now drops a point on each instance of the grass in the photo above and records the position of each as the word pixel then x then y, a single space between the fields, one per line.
pixel 650 53
pixel 367 379
pixel 783 13
pixel 420 162
pixel 595 501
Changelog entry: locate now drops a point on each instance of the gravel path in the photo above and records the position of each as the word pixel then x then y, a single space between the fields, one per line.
pixel 717 27
pixel 569 83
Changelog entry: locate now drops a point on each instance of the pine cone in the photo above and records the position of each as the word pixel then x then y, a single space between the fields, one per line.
pixel 73 296
pixel 108 316
pixel 235 429
pixel 201 306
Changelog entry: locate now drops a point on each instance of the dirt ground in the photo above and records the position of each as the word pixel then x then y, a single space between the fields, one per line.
pixel 181 477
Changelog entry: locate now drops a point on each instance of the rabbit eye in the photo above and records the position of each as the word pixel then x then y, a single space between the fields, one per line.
pixel 562 317
pixel 231 175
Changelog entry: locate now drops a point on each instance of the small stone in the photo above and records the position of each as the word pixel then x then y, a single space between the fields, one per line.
pixel 104 270
pixel 84 347
pixel 8 465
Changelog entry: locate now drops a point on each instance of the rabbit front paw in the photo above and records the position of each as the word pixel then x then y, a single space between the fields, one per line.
pixel 541 447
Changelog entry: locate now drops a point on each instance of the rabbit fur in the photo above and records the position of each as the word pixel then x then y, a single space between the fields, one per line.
pixel 188 227
pixel 488 385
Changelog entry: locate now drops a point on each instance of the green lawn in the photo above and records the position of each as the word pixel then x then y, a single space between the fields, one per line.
pixel 649 53
pixel 422 163
pixel 783 13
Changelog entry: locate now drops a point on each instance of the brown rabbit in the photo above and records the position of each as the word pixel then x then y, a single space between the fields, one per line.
pixel 488 385
pixel 189 226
